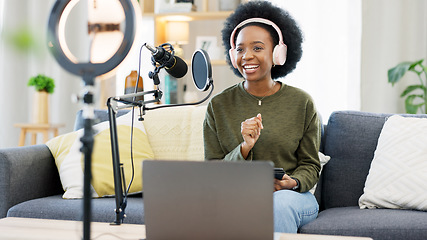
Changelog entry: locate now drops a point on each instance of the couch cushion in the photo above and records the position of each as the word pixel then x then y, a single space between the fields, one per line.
pixel 378 224
pixel 54 207
pixel 350 141
pixel 397 175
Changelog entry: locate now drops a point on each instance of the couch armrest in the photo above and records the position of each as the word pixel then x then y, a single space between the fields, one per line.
pixel 26 173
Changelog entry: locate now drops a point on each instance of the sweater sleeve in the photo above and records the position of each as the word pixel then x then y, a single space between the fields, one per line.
pixel 308 168
pixel 212 144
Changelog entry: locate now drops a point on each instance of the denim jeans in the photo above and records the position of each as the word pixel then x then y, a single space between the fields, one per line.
pixel 293 210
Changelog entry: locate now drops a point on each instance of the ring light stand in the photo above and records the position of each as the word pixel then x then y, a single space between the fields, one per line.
pixel 88 71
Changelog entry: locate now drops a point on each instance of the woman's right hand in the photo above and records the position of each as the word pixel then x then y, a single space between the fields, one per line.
pixel 250 130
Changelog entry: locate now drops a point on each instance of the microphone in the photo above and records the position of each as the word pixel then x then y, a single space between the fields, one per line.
pixel 175 66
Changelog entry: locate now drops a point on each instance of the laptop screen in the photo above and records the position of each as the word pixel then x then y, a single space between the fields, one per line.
pixel 208 200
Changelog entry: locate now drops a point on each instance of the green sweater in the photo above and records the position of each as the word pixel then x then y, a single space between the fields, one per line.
pixel 290 138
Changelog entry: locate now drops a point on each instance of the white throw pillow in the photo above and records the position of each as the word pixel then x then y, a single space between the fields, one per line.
pixel 398 172
pixel 323 160
pixel 176 133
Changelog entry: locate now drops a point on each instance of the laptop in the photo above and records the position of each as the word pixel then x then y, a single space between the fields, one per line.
pixel 208 200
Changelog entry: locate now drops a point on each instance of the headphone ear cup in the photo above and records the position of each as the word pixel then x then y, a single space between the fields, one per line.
pixel 232 53
pixel 279 54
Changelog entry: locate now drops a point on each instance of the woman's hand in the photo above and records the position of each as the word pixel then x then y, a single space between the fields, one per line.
pixel 286 183
pixel 250 130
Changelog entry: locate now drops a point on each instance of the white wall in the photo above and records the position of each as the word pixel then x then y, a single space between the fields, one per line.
pixel 393 31
pixel 329 69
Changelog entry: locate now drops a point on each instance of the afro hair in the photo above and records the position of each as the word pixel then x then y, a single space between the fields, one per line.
pixel 292 35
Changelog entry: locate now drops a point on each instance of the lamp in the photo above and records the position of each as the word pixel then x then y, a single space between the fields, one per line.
pixel 177 33
pixel 90 70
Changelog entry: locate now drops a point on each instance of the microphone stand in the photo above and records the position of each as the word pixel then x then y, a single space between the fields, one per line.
pixel 119 177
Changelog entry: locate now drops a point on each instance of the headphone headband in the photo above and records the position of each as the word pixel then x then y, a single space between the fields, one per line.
pixel 259 20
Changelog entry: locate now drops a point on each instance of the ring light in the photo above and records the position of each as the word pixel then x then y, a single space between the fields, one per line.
pixel 59 48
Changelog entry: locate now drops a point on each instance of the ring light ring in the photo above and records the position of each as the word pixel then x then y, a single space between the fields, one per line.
pixel 88 69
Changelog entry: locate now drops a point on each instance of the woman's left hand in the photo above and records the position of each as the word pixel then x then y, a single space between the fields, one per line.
pixel 286 183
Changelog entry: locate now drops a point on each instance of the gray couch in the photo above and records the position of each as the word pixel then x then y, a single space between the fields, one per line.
pixel 30 185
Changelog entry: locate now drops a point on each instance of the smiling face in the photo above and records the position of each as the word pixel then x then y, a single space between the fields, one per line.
pixel 254 53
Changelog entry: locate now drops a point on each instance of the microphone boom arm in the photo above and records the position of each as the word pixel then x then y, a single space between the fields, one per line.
pixel 113 107
pixel 119 178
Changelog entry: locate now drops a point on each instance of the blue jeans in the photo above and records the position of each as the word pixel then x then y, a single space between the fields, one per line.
pixel 293 210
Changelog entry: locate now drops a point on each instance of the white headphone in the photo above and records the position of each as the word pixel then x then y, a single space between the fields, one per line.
pixel 279 52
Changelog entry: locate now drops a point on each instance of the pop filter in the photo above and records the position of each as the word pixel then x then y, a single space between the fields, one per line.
pixel 202 76
pixel 201 69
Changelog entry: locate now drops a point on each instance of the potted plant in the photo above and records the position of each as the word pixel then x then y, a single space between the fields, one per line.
pixel 416 95
pixel 42 83
pixel 44 86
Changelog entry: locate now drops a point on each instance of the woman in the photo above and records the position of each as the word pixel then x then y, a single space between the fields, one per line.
pixel 264 119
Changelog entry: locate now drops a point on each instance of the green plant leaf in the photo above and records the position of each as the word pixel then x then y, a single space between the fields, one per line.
pixel 410 106
pixel 417 67
pixel 415 64
pixel 396 73
pixel 412 88
pixel 42 83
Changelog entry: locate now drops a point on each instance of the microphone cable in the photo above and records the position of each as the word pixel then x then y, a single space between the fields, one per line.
pixel 131 131
pixel 184 104
pixel 133 120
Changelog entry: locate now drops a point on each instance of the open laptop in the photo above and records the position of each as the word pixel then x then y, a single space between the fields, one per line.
pixel 208 200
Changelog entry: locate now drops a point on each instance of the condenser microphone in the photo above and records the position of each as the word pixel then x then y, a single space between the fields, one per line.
pixel 174 65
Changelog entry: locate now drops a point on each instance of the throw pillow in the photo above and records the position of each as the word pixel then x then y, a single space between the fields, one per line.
pixel 176 133
pixel 398 170
pixel 70 161
pixel 323 160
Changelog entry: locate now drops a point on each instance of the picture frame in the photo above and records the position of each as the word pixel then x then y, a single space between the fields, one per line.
pixel 168 6
pixel 209 44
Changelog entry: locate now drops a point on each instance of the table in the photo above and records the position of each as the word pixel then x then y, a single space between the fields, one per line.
pixel 35 128
pixel 47 229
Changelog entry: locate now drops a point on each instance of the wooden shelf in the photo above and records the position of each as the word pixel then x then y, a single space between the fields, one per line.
pixel 161 20
pixel 190 16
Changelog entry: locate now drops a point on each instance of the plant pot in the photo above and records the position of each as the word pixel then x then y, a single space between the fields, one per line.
pixel 41 107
